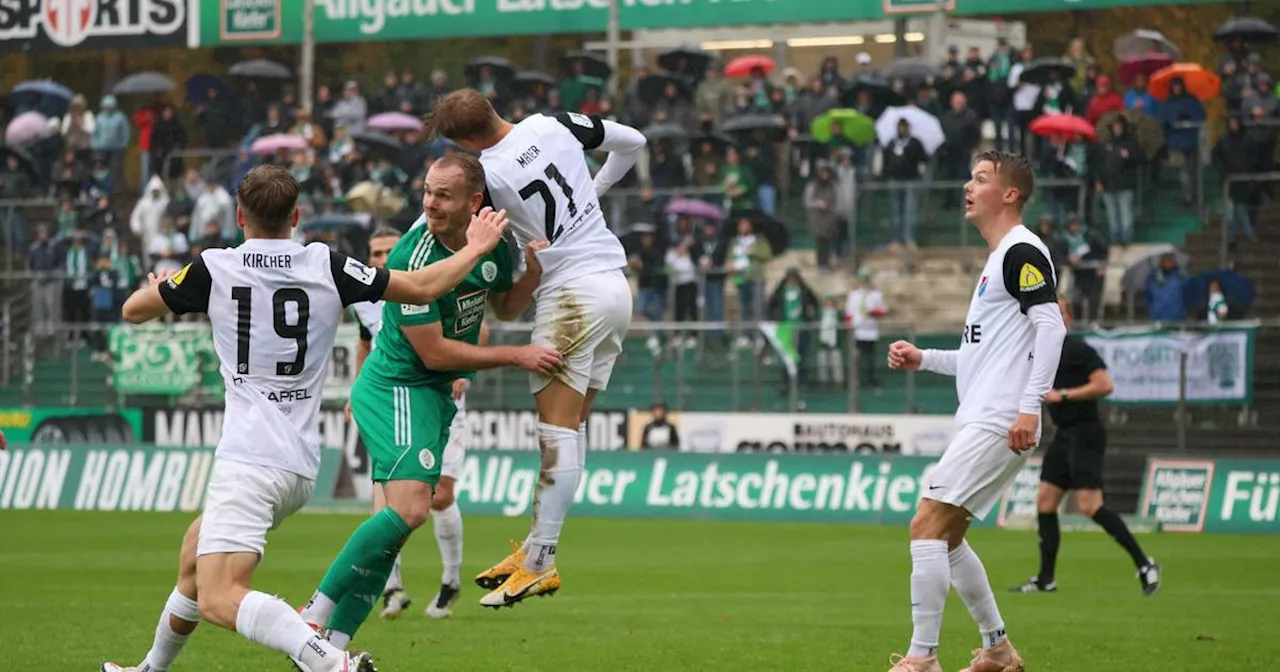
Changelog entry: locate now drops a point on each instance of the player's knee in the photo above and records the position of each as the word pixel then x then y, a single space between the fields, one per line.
pixel 414 513
pixel 443 497
pixel 1047 500
pixel 217 609
pixel 1089 501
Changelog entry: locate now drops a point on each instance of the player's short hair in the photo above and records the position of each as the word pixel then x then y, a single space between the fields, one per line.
pixel 385 232
pixel 462 115
pixel 470 167
pixel 1014 171
pixel 268 195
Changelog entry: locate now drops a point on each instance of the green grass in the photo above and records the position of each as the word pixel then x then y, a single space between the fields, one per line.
pixel 78 588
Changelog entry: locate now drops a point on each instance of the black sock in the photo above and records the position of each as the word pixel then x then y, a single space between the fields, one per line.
pixel 1049 537
pixel 1114 525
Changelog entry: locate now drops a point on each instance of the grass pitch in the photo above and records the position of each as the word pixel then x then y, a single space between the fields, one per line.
pixel 79 588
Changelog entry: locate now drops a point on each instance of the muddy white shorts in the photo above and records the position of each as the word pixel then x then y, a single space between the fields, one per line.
pixel 455 452
pixel 586 320
pixel 244 502
pixel 974 471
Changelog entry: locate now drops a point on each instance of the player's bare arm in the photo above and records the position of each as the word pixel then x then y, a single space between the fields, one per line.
pixel 446 354
pixel 512 303
pixel 461 385
pixel 1098 386
pixel 431 282
pixel 146 304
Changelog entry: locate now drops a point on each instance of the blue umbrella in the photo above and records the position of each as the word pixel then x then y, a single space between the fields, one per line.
pixel 44 87
pixel 198 88
pixel 52 98
pixel 1237 289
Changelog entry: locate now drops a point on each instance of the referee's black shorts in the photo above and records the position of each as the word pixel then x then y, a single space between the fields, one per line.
pixel 1075 458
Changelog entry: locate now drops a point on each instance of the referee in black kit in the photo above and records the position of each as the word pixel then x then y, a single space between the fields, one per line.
pixel 1074 461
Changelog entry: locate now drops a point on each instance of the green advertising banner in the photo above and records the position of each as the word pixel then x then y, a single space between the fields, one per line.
pixel 1233 496
pixel 46 424
pixel 160 358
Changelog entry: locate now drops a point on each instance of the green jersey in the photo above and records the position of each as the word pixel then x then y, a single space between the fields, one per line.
pixel 459 312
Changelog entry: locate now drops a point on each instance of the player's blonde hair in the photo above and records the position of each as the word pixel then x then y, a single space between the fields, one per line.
pixel 1014 170
pixel 462 115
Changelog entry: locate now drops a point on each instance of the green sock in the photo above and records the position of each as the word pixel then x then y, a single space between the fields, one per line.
pixel 356 577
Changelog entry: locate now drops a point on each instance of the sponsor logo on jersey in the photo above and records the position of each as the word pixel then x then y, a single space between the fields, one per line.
pixel 470 310
pixel 177 278
pixel 581 120
pixel 982 286
pixel 489 271
pixel 407 309
pixel 359 271
pixel 1030 279
pixel 426 459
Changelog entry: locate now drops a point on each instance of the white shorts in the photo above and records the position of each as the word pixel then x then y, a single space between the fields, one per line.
pixel 455 452
pixel 974 471
pixel 586 320
pixel 244 502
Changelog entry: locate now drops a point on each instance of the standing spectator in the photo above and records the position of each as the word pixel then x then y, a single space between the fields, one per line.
pixel 820 201
pixel 1056 97
pixel 1137 98
pixel 763 163
pixel 439 88
pixel 1181 117
pixel 253 107
pixel 218 117
pixel 712 99
pixel 77 126
pixel 145 119
pixel 684 276
pixel 830 355
pixel 706 167
pixel 659 433
pixel 1060 159
pixel 14 180
pixel 214 205
pixel 739 182
pixel 308 130
pixel 145 220
pixel 167 137
pixel 863 309
pixel 100 178
pixel 351 111
pixel 829 73
pixel 76 306
pixel 1079 57
pixel 389 99
pixel 211 240
pixel 999 95
pixel 1104 100
pixel 1118 160
pixel 111 139
pixel 1025 97
pixel 102 300
pixel 748 254
pixel 275 123
pixel 651 299
pixel 711 253
pixel 128 269
pixel 168 250
pixel 103 217
pixel 1087 257
pixel 902 158
pixel 323 112
pixel 68 219
pixel 44 263
pixel 1238 153
pixel 793 302
pixel 962 130
pixel 1165 299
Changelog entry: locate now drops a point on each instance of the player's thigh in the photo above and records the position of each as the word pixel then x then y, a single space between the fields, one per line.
pixel 1088 456
pixel 455 451
pixel 1055 469
pixel 410 442
pixel 243 503
pixel 585 320
pixel 974 471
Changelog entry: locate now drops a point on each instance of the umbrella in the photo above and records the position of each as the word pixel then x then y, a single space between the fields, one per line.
pixel 394 121
pixel 44 87
pixel 377 140
pixel 143 82
pixel 924 126
pixel 719 142
pixel 658 132
pixel 773 125
pixel 1143 41
pixel 1145 129
pixel 763 224
pixel 198 88
pixel 375 199
pixel 912 70
pixel 1144 64
pixel 24 159
pixel 526 79
pixel 653 88
pixel 854 125
pixel 1200 83
pixel 1039 70
pixel 1247 28
pixel 743 65
pixel 501 67
pixel 260 67
pixel 631 239
pixel 1136 273
pixel 25 127
pixel 883 93
pixel 1238 290
pixel 1063 124
pixel 278 142
pixel 688 59
pixel 593 64
pixel 693 207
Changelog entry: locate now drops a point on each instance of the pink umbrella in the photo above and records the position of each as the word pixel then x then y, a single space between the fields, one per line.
pixel 270 144
pixel 393 122
pixel 1143 64
pixel 25 127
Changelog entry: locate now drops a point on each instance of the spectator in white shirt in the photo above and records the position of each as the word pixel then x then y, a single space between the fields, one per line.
pixel 863 310
pixel 1024 97
pixel 214 205
pixel 684 278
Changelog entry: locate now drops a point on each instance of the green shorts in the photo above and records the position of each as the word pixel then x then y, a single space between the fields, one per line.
pixel 404 429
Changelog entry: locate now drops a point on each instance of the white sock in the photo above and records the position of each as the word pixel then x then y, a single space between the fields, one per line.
pixel 394 582
pixel 339 639
pixel 448 529
pixel 930 583
pixel 582 445
pixel 168 644
pixel 319 609
pixel 267 620
pixel 557 485
pixel 970 579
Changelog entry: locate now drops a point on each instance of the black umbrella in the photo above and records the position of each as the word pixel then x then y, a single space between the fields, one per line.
pixel 774 126
pixel 376 140
pixel 593 64
pixel 501 67
pixel 883 93
pixel 653 88
pixel 719 142
pixel 527 79
pixel 143 82
pixel 1038 71
pixel 1247 28
pixel 912 70
pixel 686 59
pixel 262 68
pixel 658 132
pixel 763 224
pixel 24 159
pixel 631 239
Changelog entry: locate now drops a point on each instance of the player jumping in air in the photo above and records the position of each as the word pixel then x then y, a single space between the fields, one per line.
pixel 1006 362
pixel 538 171
pixel 403 402
pixel 274 307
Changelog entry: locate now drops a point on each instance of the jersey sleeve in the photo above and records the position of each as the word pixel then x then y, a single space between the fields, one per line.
pixel 416 316
pixel 1028 276
pixel 187 291
pixel 355 281
pixel 506 268
pixel 589 130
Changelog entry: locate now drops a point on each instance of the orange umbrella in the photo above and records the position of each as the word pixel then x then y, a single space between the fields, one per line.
pixel 1199 82
pixel 743 65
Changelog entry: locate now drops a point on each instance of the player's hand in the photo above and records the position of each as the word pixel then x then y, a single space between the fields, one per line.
pixel 531 263
pixel 486 229
pixel 1022 435
pixel 460 387
pixel 903 355
pixel 346 411
pixel 157 278
pixel 538 359
pixel 1053 397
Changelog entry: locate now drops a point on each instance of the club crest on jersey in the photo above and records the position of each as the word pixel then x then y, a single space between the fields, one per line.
pixel 982 286
pixel 1030 279
pixel 581 120
pixel 426 459
pixel 489 271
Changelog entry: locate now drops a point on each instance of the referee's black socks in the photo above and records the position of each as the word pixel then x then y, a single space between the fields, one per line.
pixel 1049 538
pixel 1114 525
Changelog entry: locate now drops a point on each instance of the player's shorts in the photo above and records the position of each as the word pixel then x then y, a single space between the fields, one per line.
pixel 455 451
pixel 974 471
pixel 244 502
pixel 404 428
pixel 586 320
pixel 1075 458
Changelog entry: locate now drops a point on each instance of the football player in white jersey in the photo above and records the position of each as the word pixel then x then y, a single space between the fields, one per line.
pixel 274 307
pixel 1005 365
pixel 538 171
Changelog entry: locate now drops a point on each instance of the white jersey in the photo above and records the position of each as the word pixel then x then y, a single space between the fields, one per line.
pixel 275 308
pixel 369 316
pixel 995 358
pixel 538 173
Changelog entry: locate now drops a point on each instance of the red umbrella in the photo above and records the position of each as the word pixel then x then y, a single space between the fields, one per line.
pixel 743 65
pixel 1062 124
pixel 1144 64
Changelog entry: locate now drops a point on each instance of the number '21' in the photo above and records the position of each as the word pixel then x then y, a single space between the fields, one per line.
pixel 540 187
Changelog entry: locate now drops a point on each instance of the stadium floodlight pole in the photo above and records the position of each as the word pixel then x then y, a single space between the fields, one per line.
pixel 307 68
pixel 613 38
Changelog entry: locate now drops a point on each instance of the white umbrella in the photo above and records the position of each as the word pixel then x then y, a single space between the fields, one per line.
pixel 924 126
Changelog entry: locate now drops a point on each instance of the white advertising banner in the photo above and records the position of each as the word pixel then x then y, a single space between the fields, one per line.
pixel 803 432
pixel 1144 365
